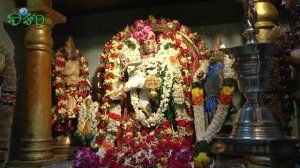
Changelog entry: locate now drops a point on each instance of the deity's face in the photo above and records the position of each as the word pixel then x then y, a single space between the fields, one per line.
pixel 149 46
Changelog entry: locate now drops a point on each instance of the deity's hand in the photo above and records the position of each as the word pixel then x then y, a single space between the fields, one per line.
pixel 122 71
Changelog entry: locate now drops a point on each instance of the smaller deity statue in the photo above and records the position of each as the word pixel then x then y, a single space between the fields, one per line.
pixel 71 75
pixel 212 79
pixel 72 86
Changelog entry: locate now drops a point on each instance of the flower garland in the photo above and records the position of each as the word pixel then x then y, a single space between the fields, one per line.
pixel 157 116
pixel 7 100
pixel 225 99
pixel 60 86
pixel 87 122
pixel 163 153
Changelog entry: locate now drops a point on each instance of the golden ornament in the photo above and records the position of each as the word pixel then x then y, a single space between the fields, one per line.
pixel 152 83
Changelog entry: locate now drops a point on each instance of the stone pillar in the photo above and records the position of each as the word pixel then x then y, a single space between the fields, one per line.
pixel 36 140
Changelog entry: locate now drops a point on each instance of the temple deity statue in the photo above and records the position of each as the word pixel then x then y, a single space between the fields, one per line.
pixel 71 87
pixel 213 91
pixel 71 76
pixel 213 77
pixel 145 82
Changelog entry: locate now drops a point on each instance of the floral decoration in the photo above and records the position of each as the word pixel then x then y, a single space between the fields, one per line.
pixel 204 134
pixel 130 142
pixel 173 46
pixel 86 157
pixel 60 86
pixel 225 99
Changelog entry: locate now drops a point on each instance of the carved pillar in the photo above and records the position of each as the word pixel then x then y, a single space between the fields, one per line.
pixel 36 139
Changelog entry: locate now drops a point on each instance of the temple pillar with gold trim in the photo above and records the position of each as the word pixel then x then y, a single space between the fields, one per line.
pixel 36 140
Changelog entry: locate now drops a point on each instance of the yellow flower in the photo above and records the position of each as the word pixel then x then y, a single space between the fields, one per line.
pixel 164 159
pixel 197 96
pixel 197 92
pixel 202 160
pixel 227 90
pixel 168 131
pixel 105 117
pixel 159 165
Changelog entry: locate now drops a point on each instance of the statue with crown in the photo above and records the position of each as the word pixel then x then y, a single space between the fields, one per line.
pixel 152 94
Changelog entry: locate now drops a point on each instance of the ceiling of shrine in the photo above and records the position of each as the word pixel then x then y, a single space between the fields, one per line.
pixel 207 11
pixel 75 7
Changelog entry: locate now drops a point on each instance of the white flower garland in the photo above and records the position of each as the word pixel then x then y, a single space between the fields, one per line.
pixel 157 116
pixel 216 124
pixel 131 54
pixel 172 82
pixel 89 113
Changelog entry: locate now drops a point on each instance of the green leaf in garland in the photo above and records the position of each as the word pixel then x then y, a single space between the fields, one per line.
pixel 169 45
pixel 130 44
pixel 202 146
pixel 84 140
pixel 198 84
pixel 229 82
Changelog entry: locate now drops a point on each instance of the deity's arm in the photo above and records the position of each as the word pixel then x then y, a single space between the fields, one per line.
pixel 135 63
pixel 131 63
pixel 136 81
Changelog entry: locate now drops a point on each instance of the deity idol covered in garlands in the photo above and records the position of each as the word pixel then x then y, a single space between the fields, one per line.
pixel 151 80
pixel 72 88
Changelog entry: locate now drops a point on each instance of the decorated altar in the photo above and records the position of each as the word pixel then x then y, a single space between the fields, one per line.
pixel 156 78
pixel 158 97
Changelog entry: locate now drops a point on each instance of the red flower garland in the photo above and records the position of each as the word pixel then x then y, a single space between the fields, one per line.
pixel 60 87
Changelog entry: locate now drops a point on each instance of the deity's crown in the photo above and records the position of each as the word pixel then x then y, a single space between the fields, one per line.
pixel 70 49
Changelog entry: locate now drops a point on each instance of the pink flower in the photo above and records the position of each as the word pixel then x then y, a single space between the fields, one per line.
pixel 141 30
